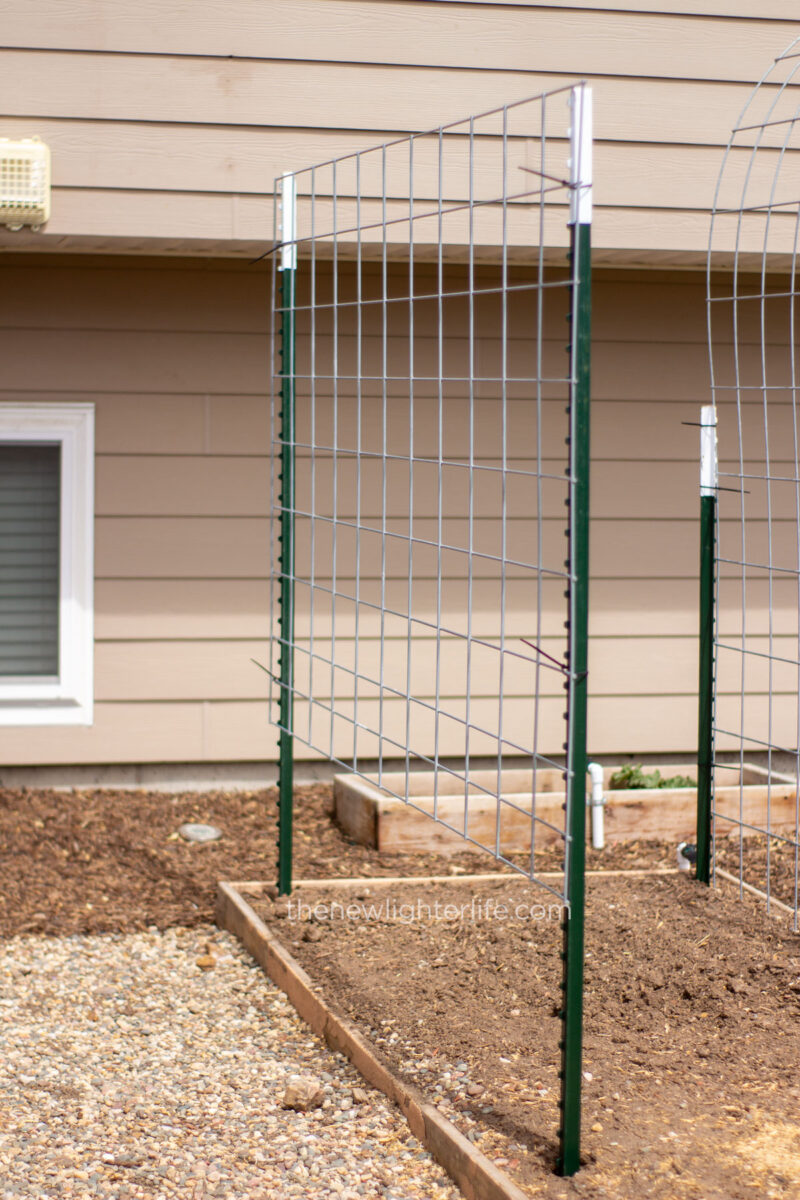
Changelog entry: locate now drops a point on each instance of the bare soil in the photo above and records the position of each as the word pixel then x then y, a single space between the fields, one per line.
pixel 95 861
pixel 692 1035
pixel 771 864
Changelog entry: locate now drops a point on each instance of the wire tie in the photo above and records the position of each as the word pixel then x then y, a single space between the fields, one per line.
pixel 267 671
pixel 564 667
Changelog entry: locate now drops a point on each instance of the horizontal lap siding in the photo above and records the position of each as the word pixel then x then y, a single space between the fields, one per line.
pixel 176 363
pixel 191 97
pixel 169 132
pixel 537 37
pixel 767 10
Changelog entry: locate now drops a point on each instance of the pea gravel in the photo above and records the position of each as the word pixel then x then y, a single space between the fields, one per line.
pixel 132 1072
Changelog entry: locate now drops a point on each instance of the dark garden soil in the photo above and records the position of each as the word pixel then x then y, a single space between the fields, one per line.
pixel 90 861
pixel 692 1039
pixel 771 866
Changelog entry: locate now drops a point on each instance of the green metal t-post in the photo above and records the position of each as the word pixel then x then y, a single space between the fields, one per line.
pixel 705 716
pixel 288 268
pixel 575 854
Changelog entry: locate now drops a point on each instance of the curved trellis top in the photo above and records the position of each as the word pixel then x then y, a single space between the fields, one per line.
pixel 753 328
pixel 754 218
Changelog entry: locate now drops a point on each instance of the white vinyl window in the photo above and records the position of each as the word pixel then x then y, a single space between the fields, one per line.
pixel 46 564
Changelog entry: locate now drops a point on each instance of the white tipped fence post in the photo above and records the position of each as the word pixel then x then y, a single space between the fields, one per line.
pixel 705 715
pixel 578 592
pixel 287 265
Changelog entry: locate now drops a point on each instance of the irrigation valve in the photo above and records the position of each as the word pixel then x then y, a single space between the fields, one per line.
pixel 24 183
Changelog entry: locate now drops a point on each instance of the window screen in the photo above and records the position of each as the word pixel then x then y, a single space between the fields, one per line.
pixel 30 487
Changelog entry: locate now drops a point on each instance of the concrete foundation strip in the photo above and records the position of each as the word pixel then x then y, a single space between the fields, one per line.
pixel 476 1176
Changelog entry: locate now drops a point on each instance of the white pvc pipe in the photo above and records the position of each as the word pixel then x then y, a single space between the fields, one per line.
pixel 596 804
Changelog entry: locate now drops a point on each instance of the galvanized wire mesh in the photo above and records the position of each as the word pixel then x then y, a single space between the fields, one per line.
pixel 432 483
pixel 752 328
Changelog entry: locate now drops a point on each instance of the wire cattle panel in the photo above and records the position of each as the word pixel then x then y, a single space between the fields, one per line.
pixel 430 518
pixel 753 331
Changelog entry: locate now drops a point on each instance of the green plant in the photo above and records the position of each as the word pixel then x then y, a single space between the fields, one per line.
pixel 632 776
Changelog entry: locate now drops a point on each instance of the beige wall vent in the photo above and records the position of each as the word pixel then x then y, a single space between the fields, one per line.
pixel 24 183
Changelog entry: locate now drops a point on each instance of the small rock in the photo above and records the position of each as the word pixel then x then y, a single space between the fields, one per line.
pixel 359 1096
pixel 312 933
pixel 474 1089
pixel 200 833
pixel 303 1092
pixel 597 1127
pixel 206 962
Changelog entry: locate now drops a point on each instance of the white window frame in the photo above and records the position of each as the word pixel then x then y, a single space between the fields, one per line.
pixel 65 699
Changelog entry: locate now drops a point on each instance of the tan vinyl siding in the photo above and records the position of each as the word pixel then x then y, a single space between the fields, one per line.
pixel 767 9
pixel 168 132
pixel 530 38
pixel 175 360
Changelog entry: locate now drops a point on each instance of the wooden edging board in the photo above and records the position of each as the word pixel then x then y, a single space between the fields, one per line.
pixel 255 887
pixel 475 1174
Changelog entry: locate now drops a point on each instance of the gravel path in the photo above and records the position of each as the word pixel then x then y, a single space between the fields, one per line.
pixel 130 1071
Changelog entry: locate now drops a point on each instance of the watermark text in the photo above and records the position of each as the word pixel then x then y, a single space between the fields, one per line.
pixel 410 912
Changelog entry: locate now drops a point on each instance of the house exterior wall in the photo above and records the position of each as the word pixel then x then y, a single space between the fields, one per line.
pixel 175 359
pixel 168 126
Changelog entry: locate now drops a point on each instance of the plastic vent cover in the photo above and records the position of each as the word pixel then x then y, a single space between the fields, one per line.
pixel 24 183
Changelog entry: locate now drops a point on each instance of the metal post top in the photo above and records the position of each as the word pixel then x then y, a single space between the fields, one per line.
pixel 288 227
pixel 708 451
pixel 580 161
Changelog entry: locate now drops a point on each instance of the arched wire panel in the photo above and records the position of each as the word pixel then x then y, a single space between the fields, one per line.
pixel 753 329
